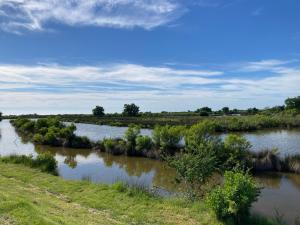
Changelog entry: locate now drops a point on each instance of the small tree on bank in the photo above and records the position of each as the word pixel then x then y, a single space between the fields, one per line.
pixel 98 111
pixel 131 110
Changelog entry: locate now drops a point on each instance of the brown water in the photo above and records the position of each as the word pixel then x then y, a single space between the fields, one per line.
pixel 281 192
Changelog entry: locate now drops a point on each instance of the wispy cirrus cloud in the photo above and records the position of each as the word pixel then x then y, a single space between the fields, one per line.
pixel 59 88
pixel 34 15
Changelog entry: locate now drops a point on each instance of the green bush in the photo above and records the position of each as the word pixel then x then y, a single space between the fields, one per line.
pixel 44 162
pixel 236 152
pixel 233 200
pixel 38 138
pixel 79 142
pixel 130 136
pixel 168 138
pixel 201 138
pixel 115 146
pixel 143 143
pixel 50 138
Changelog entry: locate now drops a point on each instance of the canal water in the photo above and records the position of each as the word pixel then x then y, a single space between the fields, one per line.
pixel 280 193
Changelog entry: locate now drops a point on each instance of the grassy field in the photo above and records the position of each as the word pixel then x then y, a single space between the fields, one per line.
pixel 28 196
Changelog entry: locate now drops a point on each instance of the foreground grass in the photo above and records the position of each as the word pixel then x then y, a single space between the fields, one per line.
pixel 28 196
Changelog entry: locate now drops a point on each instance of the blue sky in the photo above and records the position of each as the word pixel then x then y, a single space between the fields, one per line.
pixel 66 56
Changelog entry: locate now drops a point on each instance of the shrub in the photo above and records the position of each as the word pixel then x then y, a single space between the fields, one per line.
pixel 115 146
pixel 130 136
pixel 168 138
pixel 201 138
pixel 38 138
pixel 233 200
pixel 50 138
pixel 44 162
pixel 80 142
pixel 236 152
pixel 143 143
pixel 28 126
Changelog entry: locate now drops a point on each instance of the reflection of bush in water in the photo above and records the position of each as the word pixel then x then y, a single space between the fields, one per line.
pixel 69 153
pixel 71 161
pixel 163 175
pixel 295 178
pixel 269 180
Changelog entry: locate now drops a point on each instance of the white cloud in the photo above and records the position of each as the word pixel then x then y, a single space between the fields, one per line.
pixel 264 65
pixel 66 89
pixel 18 15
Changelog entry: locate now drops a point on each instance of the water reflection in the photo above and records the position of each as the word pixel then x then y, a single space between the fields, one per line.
pixel 281 193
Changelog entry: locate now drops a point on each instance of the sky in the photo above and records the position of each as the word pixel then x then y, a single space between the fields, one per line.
pixel 67 56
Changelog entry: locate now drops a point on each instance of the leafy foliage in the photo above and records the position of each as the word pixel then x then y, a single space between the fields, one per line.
pixel 143 143
pixel 236 152
pixel 293 103
pixel 234 199
pixel 45 162
pixel 167 138
pixel 50 131
pixel 131 110
pixel 98 111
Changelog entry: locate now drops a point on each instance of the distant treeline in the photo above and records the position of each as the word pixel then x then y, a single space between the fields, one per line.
pixel 228 119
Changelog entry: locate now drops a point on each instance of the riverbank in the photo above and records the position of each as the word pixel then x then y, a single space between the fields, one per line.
pixel 32 197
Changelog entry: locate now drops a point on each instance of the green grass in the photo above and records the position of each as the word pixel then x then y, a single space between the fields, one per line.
pixel 28 196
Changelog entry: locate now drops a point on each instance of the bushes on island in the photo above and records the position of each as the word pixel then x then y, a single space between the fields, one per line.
pixel 50 131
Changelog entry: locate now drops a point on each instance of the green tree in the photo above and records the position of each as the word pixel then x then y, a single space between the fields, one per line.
pixel 196 164
pixel 226 110
pixel 98 111
pixel 293 103
pixel 204 111
pixel 131 110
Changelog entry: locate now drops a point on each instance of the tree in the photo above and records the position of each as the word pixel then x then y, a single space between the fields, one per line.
pixel 293 103
pixel 131 110
pixel 98 111
pixel 204 111
pixel 196 164
pixel 225 110
pixel 0 116
pixel 252 111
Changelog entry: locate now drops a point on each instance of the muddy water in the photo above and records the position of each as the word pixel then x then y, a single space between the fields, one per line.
pixel 281 192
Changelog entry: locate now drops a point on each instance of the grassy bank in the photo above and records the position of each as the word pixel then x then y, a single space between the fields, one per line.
pixel 28 196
